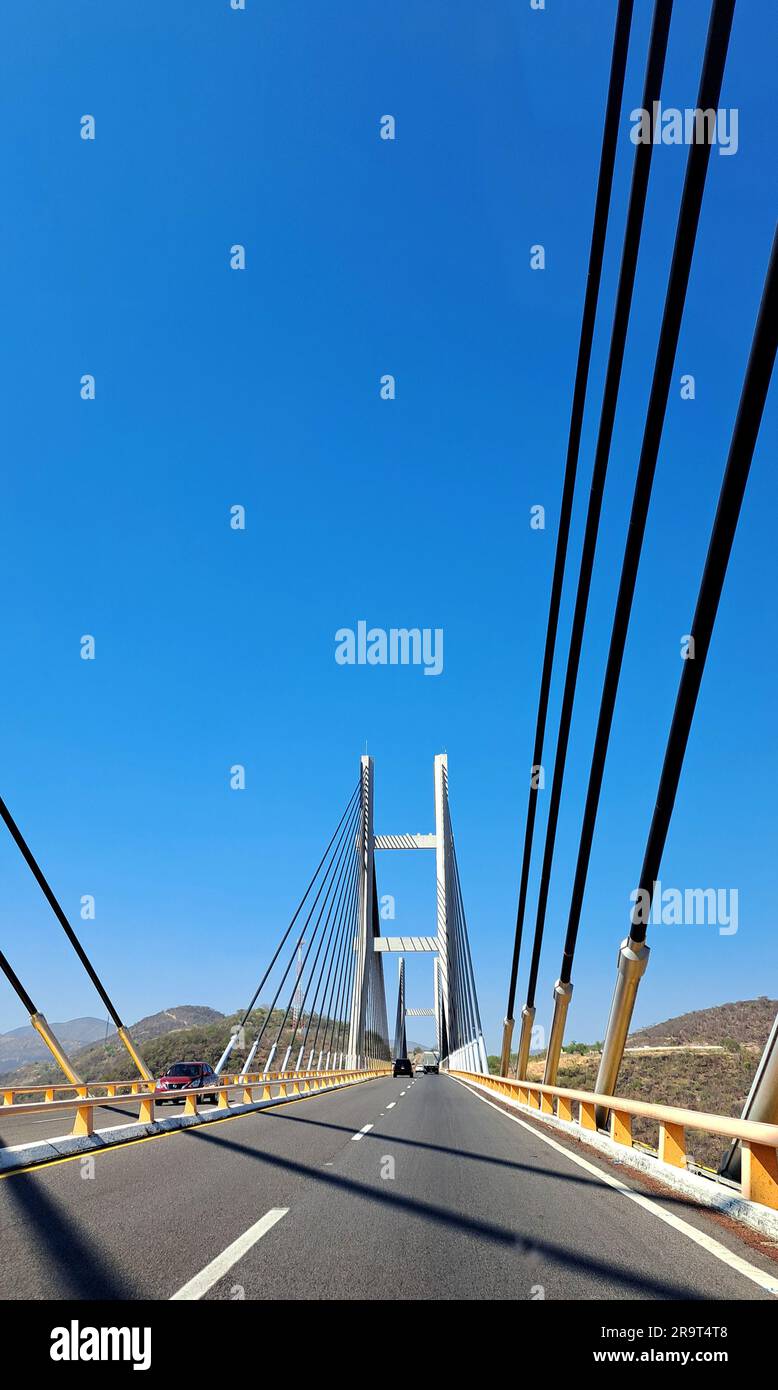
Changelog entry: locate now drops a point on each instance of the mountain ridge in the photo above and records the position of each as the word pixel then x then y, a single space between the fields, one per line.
pixel 36 1067
pixel 743 1021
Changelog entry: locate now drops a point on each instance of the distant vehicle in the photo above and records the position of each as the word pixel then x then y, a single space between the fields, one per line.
pixel 182 1076
pixel 418 1069
pixel 429 1062
pixel 402 1067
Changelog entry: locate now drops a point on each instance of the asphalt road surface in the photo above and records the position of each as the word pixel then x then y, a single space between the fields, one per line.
pixel 390 1189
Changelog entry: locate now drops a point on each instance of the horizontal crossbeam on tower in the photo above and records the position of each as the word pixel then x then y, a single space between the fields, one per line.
pixel 405 842
pixel 419 1013
pixel 405 943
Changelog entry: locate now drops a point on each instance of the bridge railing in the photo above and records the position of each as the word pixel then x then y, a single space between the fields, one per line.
pixel 759 1142
pixel 279 1086
pixel 114 1089
pixel 73 1089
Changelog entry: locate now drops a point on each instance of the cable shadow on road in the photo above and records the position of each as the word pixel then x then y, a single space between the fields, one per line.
pixel 82 1270
pixel 642 1284
pixel 583 1180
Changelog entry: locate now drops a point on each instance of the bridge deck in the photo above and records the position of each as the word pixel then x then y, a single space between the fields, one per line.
pixel 479 1206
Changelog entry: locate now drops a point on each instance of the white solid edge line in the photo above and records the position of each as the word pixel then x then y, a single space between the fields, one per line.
pixel 766 1281
pixel 214 1271
pixel 364 1130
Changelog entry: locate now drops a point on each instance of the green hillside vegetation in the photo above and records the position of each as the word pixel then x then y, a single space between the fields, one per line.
pixel 203 1042
pixel 747 1021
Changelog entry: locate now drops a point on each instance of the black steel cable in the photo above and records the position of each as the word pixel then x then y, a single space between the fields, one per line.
pixel 691 202
pixel 465 964
pixel 324 884
pixel 333 911
pixel 334 870
pixel 460 1014
pixel 328 948
pixel 16 984
pixel 40 879
pixel 334 957
pixel 300 905
pixel 333 1028
pixel 596 253
pixel 465 1015
pixel 468 954
pixel 741 450
pixel 637 201
pixel 347 979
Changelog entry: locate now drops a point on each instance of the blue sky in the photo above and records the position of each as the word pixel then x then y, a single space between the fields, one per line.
pixel 217 387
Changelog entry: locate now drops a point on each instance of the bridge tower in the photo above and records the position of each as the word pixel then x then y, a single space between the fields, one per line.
pixel 458 1032
pixel 400 1035
pixel 367 923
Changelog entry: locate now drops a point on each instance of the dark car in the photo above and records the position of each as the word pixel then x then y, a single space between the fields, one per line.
pixel 402 1067
pixel 184 1076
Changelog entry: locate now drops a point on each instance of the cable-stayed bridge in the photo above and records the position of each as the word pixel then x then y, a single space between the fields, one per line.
pixel 407 1176
pixel 333 952
pixel 300 1165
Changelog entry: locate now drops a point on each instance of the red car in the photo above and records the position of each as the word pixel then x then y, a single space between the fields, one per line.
pixel 185 1076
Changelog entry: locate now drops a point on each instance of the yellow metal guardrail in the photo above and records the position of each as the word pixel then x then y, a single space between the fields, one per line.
pixel 759 1142
pixel 113 1089
pixel 274 1086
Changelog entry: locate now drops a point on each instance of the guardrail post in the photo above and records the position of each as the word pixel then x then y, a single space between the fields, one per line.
pixel 146 1113
pixel 586 1116
pixel 222 1100
pixel 759 1169
pixel 84 1122
pixel 672 1144
pixel 546 1103
pixel 564 1109
pixel 534 1099
pixel 190 1104
pixel 621 1128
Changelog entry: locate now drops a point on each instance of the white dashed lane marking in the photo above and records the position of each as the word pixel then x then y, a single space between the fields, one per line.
pixel 364 1130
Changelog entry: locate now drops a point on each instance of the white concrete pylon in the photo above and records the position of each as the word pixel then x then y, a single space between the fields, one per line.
pixel 364 937
pixel 251 1056
pixel 441 875
pixel 436 1006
